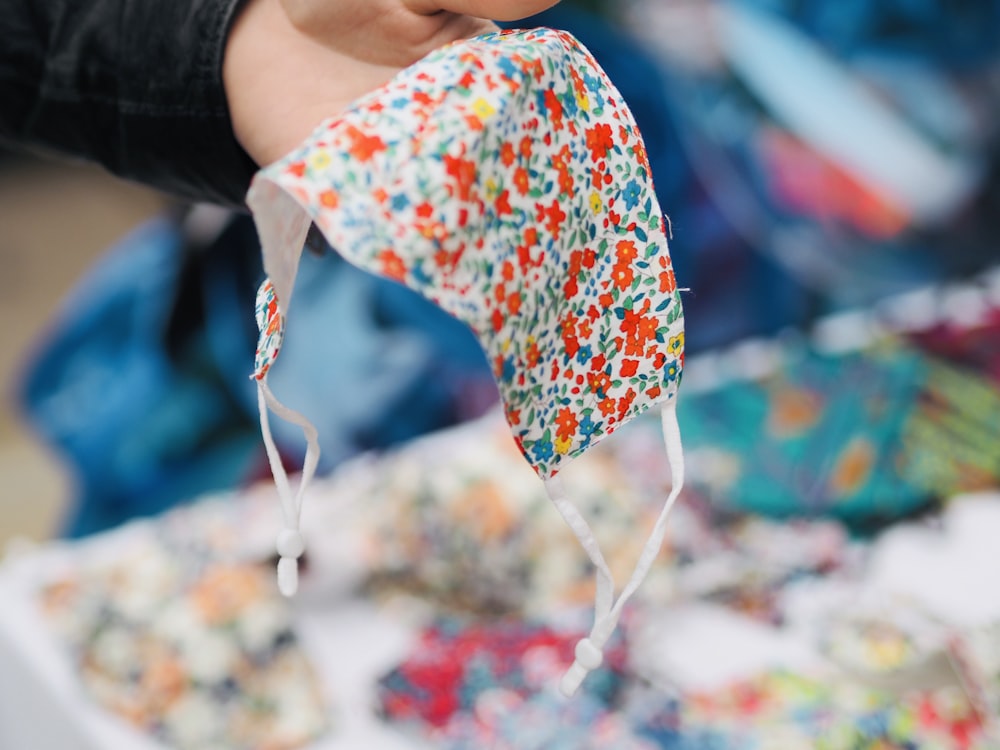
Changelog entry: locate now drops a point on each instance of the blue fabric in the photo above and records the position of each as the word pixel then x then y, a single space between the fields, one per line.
pixel 139 429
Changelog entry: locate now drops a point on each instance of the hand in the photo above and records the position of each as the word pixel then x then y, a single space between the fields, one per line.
pixel 290 64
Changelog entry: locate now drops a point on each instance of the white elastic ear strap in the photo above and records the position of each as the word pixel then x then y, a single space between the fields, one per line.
pixel 607 611
pixel 282 226
pixel 290 543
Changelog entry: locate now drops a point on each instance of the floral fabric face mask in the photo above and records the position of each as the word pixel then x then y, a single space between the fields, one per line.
pixel 503 178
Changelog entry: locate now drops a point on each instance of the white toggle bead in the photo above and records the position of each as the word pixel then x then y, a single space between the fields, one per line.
pixel 291 544
pixel 588 655
pixel 288 576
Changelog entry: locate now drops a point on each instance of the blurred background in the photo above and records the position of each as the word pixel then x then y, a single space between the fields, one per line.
pixel 830 170
pixel 56 219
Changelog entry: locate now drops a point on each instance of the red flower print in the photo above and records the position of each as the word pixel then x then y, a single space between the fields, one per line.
pixel 571 288
pixel 363 147
pixel 507 271
pixel 668 282
pixel 625 402
pixel 525 147
pixel 568 324
pixel 606 300
pixel 537 70
pixel 533 355
pixel 555 216
pixel 629 368
pixel 467 80
pixel 464 172
pixel 497 321
pixel 473 122
pixel 599 140
pixel 653 392
pixel 607 406
pixel 633 347
pixel 329 199
pixel 566 423
pixel 507 153
pixel 572 345
pixel 297 168
pixel 566 183
pixel 503 203
pixel 625 251
pixel 647 327
pixel 598 362
pixel 589 258
pixel 555 109
pixel 425 210
pixel 392 265
pixel 521 180
pixel 639 152
pixel 531 236
pixel 623 275
pixel 524 257
pixel 514 303
pixel 630 324
pixel 599 383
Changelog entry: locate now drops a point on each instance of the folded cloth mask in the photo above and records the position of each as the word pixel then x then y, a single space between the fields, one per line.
pixel 503 178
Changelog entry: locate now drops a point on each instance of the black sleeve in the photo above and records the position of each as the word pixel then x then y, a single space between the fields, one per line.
pixel 135 85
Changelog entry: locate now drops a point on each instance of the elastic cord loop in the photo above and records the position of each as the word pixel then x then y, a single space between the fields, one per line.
pixel 290 544
pixel 607 612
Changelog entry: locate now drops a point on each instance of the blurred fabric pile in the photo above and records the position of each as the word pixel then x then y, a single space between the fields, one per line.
pixel 442 599
pixel 830 169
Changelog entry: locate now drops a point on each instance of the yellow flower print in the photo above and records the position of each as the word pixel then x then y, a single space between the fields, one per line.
pixel 483 109
pixel 676 344
pixel 582 101
pixel 595 202
pixel 563 445
pixel 319 160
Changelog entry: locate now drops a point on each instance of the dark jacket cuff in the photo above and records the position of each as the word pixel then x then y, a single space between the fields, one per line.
pixel 135 85
pixel 176 132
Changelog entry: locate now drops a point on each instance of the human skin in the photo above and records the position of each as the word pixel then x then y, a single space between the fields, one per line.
pixel 290 64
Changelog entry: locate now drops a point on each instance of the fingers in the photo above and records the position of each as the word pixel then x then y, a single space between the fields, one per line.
pixel 497 10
